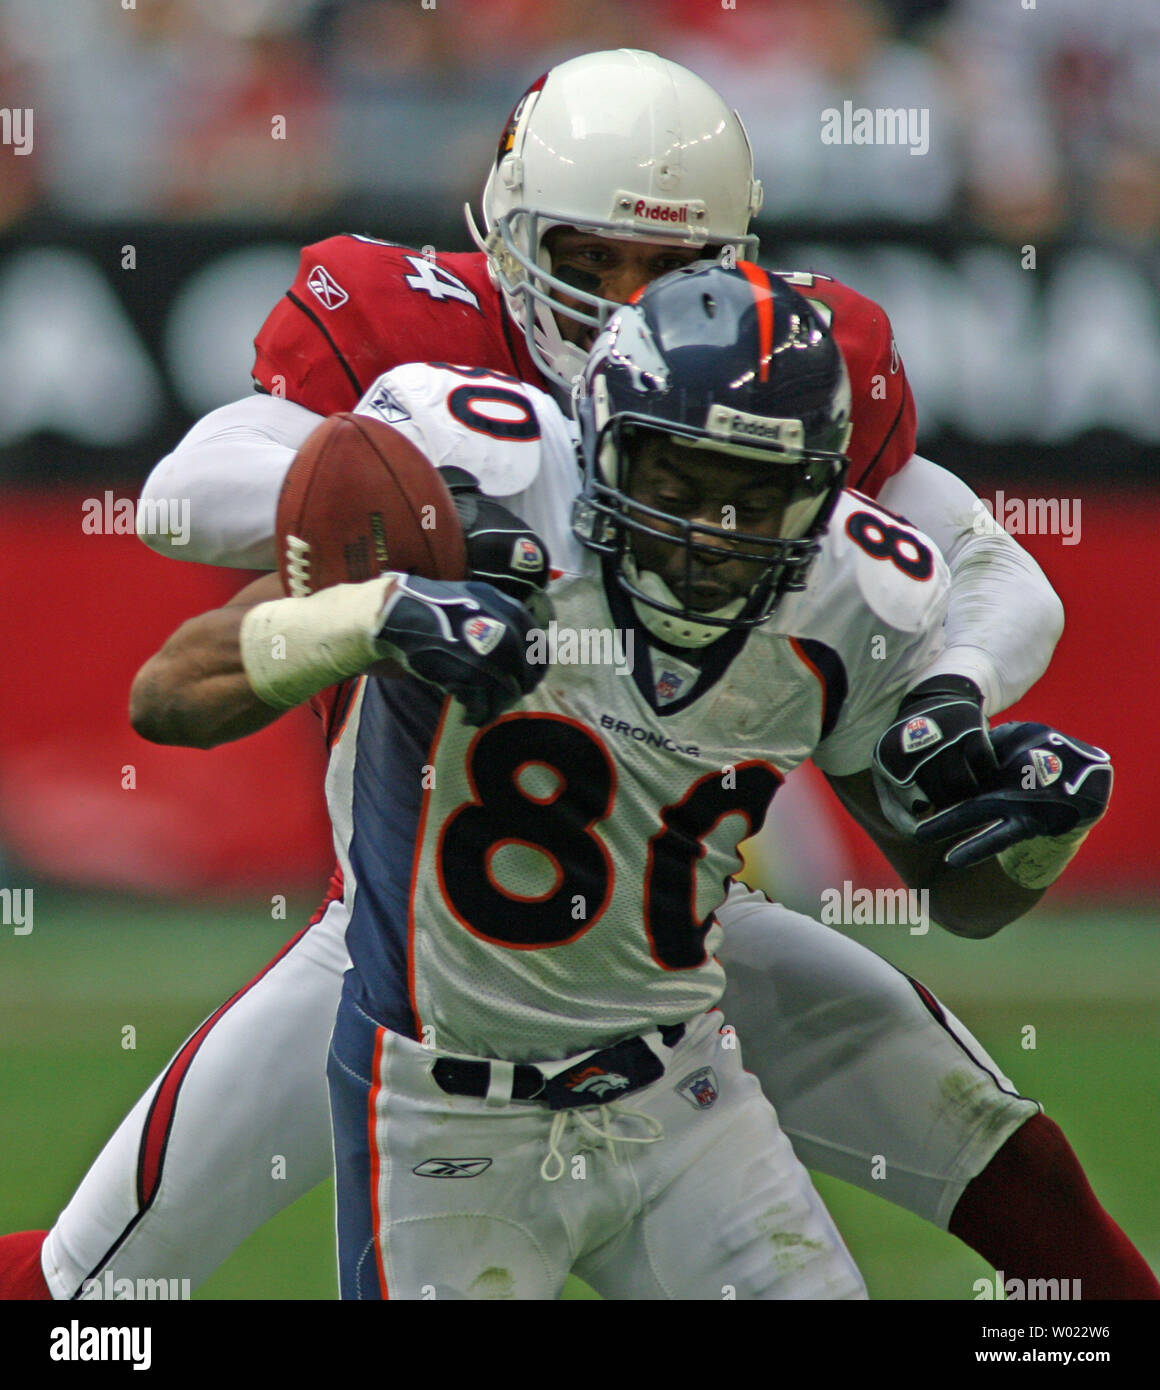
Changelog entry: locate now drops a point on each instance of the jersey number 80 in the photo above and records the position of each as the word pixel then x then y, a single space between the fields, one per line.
pixel 560 826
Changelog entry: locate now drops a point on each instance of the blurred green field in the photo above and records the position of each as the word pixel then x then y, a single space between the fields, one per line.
pixel 1087 982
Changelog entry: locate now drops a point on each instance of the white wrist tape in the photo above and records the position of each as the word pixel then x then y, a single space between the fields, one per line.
pixel 1038 863
pixel 294 647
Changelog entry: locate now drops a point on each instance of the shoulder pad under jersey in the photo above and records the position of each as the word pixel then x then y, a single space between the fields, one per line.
pixel 873 560
pixel 359 307
pixel 491 424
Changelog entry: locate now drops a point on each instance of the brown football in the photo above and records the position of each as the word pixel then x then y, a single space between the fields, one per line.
pixel 360 499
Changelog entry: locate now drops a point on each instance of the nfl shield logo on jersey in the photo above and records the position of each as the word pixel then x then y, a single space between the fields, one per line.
pixel 483 634
pixel 699 1088
pixel 920 732
pixel 527 555
pixel 1047 766
pixel 669 686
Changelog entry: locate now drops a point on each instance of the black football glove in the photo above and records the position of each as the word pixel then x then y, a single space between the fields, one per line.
pixel 468 639
pixel 1047 784
pixel 937 752
pixel 501 549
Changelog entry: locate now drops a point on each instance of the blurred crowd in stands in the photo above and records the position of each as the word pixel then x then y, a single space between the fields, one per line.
pixel 1044 118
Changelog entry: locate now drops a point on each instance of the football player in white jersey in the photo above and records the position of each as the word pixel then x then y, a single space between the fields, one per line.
pixel 533 928
pixel 160 1199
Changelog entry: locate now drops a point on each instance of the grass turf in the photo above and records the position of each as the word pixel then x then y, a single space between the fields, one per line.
pixel 1085 981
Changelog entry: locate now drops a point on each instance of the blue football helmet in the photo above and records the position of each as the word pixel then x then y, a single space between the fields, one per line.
pixel 726 358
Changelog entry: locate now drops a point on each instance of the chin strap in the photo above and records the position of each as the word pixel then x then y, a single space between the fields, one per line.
pixel 669 627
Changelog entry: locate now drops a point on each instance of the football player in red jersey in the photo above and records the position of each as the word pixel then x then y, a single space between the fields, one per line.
pixel 613 168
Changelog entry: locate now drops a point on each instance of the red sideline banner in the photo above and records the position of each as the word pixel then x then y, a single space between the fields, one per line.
pixel 82 797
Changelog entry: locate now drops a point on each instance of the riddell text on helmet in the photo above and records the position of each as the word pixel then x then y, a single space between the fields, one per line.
pixel 660 212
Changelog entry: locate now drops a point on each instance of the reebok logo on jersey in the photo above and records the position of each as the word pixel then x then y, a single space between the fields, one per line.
pixel 595 1081
pixel 1048 766
pixel 482 634
pixel 326 289
pixel 386 406
pixel 918 733
pixel 699 1088
pixel 452 1167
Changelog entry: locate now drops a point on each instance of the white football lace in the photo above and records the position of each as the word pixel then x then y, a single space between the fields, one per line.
pixel 552 1168
pixel 298 566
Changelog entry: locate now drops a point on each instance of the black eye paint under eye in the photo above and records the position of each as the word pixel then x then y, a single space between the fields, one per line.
pixel 578 279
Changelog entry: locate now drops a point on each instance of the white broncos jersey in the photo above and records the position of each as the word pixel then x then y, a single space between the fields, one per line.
pixel 547 884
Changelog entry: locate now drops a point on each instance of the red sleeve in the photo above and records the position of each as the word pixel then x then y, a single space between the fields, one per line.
pixel 885 419
pixel 359 307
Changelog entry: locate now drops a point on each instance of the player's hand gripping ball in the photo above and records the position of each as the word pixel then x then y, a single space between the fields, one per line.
pixel 468 639
pixel 501 549
pixel 361 500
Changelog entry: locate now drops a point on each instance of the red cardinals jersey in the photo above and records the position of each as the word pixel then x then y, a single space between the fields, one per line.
pixel 883 414
pixel 359 307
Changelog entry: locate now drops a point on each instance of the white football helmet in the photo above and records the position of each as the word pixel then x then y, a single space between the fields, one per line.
pixel 623 144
